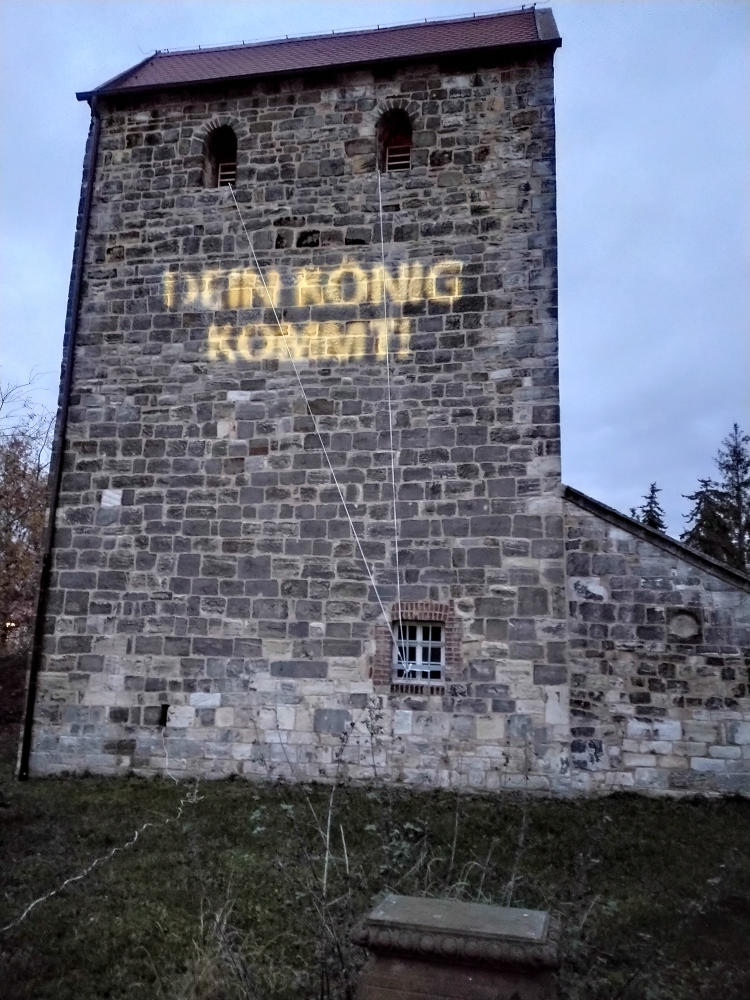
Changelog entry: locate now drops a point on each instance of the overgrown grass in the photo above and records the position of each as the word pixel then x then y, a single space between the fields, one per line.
pixel 229 900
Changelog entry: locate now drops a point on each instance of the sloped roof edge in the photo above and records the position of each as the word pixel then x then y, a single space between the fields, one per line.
pixel 525 27
pixel 698 559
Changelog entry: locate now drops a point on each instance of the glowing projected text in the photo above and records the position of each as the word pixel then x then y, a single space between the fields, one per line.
pixel 216 290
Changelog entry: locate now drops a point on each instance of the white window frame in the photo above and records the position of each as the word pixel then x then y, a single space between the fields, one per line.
pixel 418 652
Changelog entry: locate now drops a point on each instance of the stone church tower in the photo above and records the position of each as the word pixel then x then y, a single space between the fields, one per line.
pixel 308 515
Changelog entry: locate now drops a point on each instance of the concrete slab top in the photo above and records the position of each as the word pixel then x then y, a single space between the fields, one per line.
pixel 450 916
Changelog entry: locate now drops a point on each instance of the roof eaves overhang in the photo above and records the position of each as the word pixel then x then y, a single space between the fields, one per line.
pixel 86 95
pixel 110 88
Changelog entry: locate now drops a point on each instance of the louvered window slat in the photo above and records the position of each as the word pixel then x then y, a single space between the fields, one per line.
pixel 226 174
pixel 398 158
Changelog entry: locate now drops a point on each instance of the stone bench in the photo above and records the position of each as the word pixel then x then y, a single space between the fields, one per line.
pixel 445 949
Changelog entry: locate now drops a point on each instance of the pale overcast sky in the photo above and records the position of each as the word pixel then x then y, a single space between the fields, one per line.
pixel 653 135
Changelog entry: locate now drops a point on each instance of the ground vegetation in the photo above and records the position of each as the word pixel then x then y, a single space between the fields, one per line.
pixel 249 891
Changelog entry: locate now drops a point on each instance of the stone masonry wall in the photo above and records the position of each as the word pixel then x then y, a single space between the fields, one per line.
pixel 205 583
pixel 659 650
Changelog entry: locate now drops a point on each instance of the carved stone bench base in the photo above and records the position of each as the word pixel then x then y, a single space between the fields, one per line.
pixel 447 950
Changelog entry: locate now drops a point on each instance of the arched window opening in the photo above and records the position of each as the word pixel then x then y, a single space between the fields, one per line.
pixel 220 158
pixel 394 141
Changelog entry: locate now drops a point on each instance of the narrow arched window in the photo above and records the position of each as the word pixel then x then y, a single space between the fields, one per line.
pixel 220 157
pixel 394 140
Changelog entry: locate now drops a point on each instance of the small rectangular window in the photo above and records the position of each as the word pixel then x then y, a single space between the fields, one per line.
pixel 226 174
pixel 418 652
pixel 398 158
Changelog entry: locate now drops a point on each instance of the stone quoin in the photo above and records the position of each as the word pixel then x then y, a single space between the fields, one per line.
pixel 309 274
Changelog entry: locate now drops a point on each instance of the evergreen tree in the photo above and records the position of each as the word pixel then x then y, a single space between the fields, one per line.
pixel 650 512
pixel 719 523
pixel 707 529
pixel 733 462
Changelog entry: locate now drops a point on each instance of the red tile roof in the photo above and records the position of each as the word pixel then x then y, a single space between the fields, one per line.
pixel 292 55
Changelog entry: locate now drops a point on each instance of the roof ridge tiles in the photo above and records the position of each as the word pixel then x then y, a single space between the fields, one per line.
pixel 356 47
pixel 342 33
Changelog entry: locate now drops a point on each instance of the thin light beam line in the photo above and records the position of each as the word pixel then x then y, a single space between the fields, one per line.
pixel 315 423
pixel 189 799
pixel 390 405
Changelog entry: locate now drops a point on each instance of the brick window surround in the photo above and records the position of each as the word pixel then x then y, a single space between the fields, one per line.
pixel 416 611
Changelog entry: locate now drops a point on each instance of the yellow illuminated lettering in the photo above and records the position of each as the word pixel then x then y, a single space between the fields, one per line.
pixel 273 345
pixel 315 344
pixel 218 342
pixel 268 295
pixel 266 350
pixel 347 284
pixel 168 284
pixel 391 335
pixel 280 345
pixel 444 282
pixel 356 337
pixel 297 341
pixel 190 293
pixel 416 287
pixel 240 287
pixel 381 330
pixel 330 336
pixel 342 341
pixel 308 287
pixel 210 298
pixel 407 287
pixel 282 342
pixel 243 343
pixel 404 334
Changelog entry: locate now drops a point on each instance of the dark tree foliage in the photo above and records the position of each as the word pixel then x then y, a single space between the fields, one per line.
pixel 707 530
pixel 24 456
pixel 719 522
pixel 650 512
pixel 733 462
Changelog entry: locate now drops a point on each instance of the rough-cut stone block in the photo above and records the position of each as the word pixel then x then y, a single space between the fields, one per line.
pixel 533 601
pixel 402 722
pixel 707 764
pixel 330 720
pixel 203 699
pixel 299 668
pixel 548 673
pixel 738 732
pixel 224 718
pixel 180 716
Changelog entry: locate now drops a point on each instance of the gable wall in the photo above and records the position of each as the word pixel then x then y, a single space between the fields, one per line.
pixel 660 665
pixel 202 556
